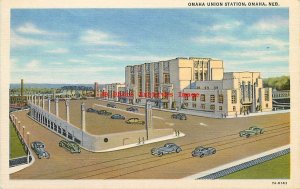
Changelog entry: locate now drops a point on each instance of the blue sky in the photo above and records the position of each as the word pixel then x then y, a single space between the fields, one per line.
pixel 88 45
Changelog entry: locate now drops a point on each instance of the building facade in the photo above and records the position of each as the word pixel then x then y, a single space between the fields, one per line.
pixel 113 92
pixel 193 83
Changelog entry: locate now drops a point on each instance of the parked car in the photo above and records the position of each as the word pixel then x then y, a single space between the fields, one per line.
pixel 104 112
pixel 166 149
pixel 134 121
pixel 132 109
pixel 180 116
pixel 69 145
pixel 91 110
pixel 251 131
pixel 117 116
pixel 201 151
pixel 39 148
pixel 112 105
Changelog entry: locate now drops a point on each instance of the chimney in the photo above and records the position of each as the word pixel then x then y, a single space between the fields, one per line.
pixel 96 89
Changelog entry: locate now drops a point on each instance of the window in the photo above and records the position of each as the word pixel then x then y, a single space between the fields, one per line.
pixel 212 107
pixel 203 106
pixel 202 97
pixel 194 98
pixel 234 108
pixel 267 105
pixel 140 83
pixel 194 105
pixel 196 76
pixel 216 87
pixel 132 79
pixel 212 98
pixel 166 78
pixel 220 108
pixel 233 97
pixel 147 83
pixel 221 98
pixel 156 82
pixel 186 97
pixel 266 95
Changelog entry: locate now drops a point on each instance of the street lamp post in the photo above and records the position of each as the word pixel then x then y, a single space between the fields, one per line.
pixel 28 138
pixel 23 130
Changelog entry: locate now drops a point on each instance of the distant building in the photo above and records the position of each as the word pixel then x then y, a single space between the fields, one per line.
pixel 113 91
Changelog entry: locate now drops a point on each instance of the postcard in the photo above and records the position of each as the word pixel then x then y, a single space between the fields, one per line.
pixel 198 94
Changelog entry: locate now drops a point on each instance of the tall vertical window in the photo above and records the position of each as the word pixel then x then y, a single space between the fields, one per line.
pixel 194 98
pixel 233 97
pixel 196 76
pixel 221 98
pixel 156 82
pixel 202 97
pixel 212 98
pixel 140 83
pixel 147 83
pixel 166 78
pixel 132 79
pixel 266 95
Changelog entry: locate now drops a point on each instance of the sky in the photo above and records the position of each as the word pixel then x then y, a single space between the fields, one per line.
pixel 94 45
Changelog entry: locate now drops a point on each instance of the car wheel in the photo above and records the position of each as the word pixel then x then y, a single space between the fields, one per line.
pixel 39 157
pixel 262 132
pixel 214 152
pixel 201 156
pixel 48 156
pixel 178 150
pixel 60 145
pixel 194 155
pixel 160 154
pixel 247 136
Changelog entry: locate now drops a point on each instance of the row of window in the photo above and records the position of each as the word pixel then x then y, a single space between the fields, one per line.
pixel 202 98
pixel 211 107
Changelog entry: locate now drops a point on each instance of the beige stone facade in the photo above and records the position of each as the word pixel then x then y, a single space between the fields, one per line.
pixel 193 83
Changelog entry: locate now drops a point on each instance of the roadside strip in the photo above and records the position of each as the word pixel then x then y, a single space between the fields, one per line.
pixel 238 165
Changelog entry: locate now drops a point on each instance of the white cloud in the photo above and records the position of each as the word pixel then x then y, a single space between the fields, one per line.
pixel 100 38
pixel 266 42
pixel 270 24
pixel 19 41
pixel 30 28
pixel 76 61
pixel 225 26
pixel 33 65
pixel 131 58
pixel 58 51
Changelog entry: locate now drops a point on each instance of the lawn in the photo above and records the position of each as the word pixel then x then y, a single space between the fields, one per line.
pixel 16 148
pixel 278 168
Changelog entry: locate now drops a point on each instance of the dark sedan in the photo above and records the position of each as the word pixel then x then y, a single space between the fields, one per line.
pixel 117 116
pixel 39 148
pixel 166 149
pixel 104 112
pixel 201 151
pixel 179 116
pixel 91 110
pixel 112 105
pixel 132 109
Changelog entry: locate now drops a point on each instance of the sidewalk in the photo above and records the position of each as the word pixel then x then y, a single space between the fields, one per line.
pixel 204 114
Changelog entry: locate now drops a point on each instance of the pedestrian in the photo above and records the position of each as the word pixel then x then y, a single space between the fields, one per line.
pixel 143 140
pixel 235 114
pixel 222 115
pixel 225 115
pixel 139 140
pixel 175 132
pixel 178 133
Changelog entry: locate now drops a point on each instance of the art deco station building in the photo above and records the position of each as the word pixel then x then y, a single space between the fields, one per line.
pixel 197 84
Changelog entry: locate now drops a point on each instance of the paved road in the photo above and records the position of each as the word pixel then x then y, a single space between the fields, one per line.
pixel 138 163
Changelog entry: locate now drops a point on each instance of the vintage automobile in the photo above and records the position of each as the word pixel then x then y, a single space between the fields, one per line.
pixel 117 116
pixel 112 105
pixel 134 121
pixel 132 109
pixel 69 145
pixel 254 130
pixel 104 112
pixel 201 151
pixel 166 149
pixel 179 116
pixel 39 148
pixel 91 110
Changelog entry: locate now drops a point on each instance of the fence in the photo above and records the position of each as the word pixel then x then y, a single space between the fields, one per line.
pixel 245 165
pixel 24 159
